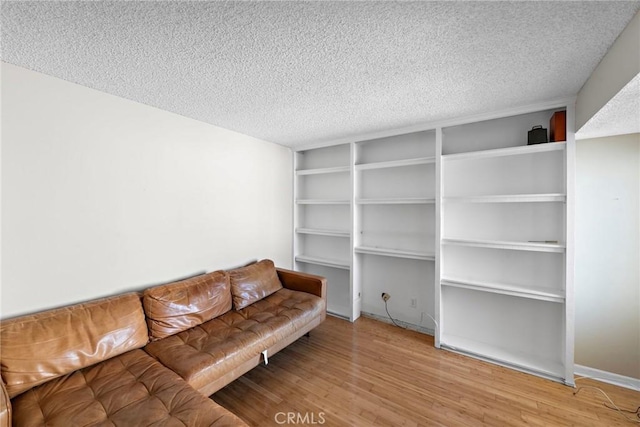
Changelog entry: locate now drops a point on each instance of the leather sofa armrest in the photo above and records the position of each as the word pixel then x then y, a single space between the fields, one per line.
pixel 5 407
pixel 304 282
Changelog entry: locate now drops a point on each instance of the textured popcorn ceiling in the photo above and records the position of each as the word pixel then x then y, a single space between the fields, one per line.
pixel 300 72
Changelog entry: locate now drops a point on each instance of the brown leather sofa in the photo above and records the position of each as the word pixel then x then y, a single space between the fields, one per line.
pixel 152 359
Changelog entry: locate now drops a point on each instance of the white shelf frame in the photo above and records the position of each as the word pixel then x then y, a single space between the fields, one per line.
pixel 396 163
pixel 323 232
pixel 505 289
pixel 320 171
pixel 396 253
pixel 509 245
pixel 510 151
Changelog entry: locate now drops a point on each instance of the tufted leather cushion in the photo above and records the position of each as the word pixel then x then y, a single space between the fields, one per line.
pixel 46 345
pixel 253 282
pixel 132 389
pixel 203 354
pixel 178 306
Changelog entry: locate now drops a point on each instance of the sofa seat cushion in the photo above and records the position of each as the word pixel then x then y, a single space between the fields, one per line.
pixel 132 389
pixel 206 352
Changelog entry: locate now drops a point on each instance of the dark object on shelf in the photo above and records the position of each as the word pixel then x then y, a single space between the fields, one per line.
pixel 558 126
pixel 537 135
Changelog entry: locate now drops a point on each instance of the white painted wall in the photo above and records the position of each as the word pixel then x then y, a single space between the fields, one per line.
pixel 102 195
pixel 608 254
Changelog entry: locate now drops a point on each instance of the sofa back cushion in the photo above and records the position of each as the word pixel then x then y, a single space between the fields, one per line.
pixel 46 345
pixel 253 282
pixel 178 306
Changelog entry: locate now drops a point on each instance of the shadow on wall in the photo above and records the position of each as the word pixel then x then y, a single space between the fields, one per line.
pixel 138 288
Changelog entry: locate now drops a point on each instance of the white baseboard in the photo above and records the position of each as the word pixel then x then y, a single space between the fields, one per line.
pixel 607 377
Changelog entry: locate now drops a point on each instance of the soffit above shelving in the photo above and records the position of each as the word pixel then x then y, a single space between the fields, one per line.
pixel 296 73
pixel 619 116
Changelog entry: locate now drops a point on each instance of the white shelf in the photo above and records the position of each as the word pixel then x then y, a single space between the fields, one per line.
pixel 322 202
pixel 506 289
pixel 500 244
pixel 319 171
pixel 396 201
pixel 510 198
pixel 322 232
pixel 511 151
pixel 396 163
pixel 395 253
pixel 511 358
pixel 327 262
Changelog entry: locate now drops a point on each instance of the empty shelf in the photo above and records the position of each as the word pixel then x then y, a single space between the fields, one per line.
pixel 319 171
pixel 327 262
pixel 510 198
pixel 511 151
pixel 323 232
pixel 397 253
pixel 506 289
pixel 322 202
pixel 396 163
pixel 396 201
pixel 501 244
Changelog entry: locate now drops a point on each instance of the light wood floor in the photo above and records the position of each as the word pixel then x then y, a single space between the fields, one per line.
pixel 372 374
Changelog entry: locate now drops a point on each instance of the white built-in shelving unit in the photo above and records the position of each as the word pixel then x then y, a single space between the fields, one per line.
pixel 465 225
pixel 394 222
pixel 322 244
pixel 506 279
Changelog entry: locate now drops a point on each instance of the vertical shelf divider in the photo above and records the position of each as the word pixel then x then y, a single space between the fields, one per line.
pixel 570 176
pixel 356 284
pixel 296 214
pixel 438 240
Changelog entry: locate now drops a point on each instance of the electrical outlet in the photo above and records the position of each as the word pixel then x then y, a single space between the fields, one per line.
pixel 385 296
pixel 414 302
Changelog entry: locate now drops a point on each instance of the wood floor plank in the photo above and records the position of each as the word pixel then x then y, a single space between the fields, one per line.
pixel 370 373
